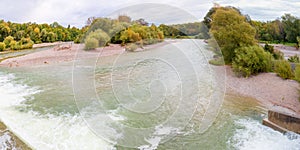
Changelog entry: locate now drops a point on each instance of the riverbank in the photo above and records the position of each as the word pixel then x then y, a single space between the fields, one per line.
pixel 268 89
pixel 47 44
pixel 9 141
pixel 69 53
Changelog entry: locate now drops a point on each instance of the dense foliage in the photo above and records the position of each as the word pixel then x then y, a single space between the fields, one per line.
pixel 231 31
pixel 284 30
pixel 21 36
pixel 251 60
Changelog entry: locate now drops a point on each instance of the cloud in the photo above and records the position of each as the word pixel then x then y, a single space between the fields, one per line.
pixel 76 12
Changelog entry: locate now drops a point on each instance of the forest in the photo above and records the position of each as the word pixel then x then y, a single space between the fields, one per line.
pixel 16 36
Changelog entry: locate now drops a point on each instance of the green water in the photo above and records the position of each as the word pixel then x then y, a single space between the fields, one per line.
pixel 163 98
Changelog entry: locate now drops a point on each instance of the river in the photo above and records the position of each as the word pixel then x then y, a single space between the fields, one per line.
pixel 168 97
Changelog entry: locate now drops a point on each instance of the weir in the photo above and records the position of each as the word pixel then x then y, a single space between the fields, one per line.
pixel 282 122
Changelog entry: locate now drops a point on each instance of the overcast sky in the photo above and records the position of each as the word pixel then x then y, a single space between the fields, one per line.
pixel 76 12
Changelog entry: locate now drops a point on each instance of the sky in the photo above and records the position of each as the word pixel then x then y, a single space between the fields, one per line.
pixel 76 12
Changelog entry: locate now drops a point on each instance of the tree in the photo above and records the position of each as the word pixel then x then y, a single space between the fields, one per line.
pixel 291 26
pixel 208 17
pixel 4 30
pixel 232 31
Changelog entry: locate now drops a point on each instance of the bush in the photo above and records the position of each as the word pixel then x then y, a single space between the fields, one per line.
pixel 283 69
pixel 15 45
pixel 297 73
pixel 7 41
pixel 294 59
pixel 131 47
pixel 91 43
pixel 99 35
pixel 2 46
pixel 26 43
pixel 251 60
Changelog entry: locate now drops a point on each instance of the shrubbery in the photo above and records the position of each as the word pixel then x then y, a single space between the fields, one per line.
pixel 26 43
pixel 283 69
pixel 91 43
pixel 131 47
pixel 7 41
pixel 2 46
pixel 294 59
pixel 100 36
pixel 251 60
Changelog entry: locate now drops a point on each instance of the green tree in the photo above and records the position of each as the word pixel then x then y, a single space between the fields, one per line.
pixel 4 30
pixel 232 31
pixel 291 26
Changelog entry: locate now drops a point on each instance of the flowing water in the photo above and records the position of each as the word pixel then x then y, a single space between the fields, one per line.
pixel 167 97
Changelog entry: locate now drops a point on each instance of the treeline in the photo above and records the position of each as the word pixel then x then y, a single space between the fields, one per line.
pixel 136 33
pixel 284 30
pixel 18 36
pixel 190 30
pixel 133 34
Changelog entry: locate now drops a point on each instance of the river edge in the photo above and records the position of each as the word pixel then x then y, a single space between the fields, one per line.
pixel 16 142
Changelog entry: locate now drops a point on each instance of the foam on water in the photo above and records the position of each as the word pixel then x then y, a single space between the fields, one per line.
pixel 42 132
pixel 252 135
pixel 159 134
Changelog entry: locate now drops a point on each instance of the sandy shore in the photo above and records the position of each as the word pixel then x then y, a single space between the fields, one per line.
pixel 47 44
pixel 269 89
pixel 54 55
pixel 69 53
